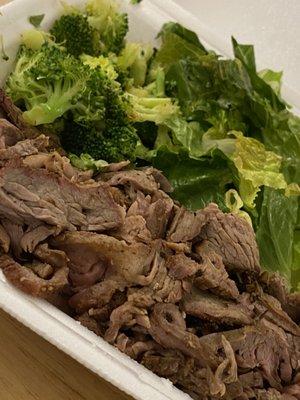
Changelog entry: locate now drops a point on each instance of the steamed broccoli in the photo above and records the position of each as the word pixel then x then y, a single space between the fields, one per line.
pixel 156 109
pixel 112 26
pixel 134 59
pixel 75 33
pixel 49 82
pixel 113 143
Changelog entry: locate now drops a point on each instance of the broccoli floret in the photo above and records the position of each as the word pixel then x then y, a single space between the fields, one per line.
pixel 106 65
pixel 34 39
pixel 86 162
pixel 112 26
pixel 51 83
pixel 114 143
pixel 155 109
pixel 75 33
pixel 134 58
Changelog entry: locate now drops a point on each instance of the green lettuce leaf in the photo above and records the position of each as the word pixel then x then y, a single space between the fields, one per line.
pixel 275 233
pixel 256 167
pixel 272 78
pixel 196 182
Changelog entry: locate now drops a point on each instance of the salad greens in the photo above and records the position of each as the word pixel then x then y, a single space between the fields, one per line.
pixel 218 128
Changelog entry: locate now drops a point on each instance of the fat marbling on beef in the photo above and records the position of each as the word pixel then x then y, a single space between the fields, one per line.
pixel 181 292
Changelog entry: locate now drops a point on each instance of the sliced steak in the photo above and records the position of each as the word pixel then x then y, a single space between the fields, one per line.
pixel 26 280
pixel 186 225
pixel 160 179
pixel 54 162
pixel 271 309
pixel 14 115
pixel 9 134
pixel 128 263
pixel 212 275
pixel 169 330
pixel 126 315
pixel 95 296
pixel 133 230
pixel 35 235
pixel 4 240
pixel 15 233
pixel 25 148
pixel 260 349
pixel 156 211
pixel 233 239
pixel 115 167
pixel 41 269
pixel 56 258
pixel 276 286
pixel 138 180
pixel 208 307
pixel 157 217
pixel 29 195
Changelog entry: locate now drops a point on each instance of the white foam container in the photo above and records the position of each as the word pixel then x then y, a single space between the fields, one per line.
pixel 59 329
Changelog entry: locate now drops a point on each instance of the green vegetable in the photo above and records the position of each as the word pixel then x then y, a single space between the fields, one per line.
pixel 112 26
pixel 34 39
pixel 234 204
pixel 256 167
pixel 134 2
pixel 275 231
pixel 196 182
pixel 86 162
pixel 134 59
pixel 155 109
pixel 75 33
pixel 36 20
pixel 51 83
pixel 114 143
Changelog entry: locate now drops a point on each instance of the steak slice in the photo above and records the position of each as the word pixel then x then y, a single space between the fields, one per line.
pixel 9 134
pixel 209 307
pixel 258 348
pixel 133 230
pixel 233 239
pixel 26 280
pixel 56 258
pixel 25 148
pixel 213 276
pixel 95 296
pixel 4 240
pixel 15 116
pixel 137 179
pixel 127 263
pixel 30 195
pixel 169 330
pixel 186 225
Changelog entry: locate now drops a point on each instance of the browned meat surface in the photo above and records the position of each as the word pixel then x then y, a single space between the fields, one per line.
pixel 212 308
pixel 181 292
pixel 133 230
pixel 56 258
pixel 4 240
pixel 95 296
pixel 9 134
pixel 233 239
pixel 25 148
pixel 186 225
pixel 139 180
pixel 168 328
pixel 30 195
pixel 25 278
